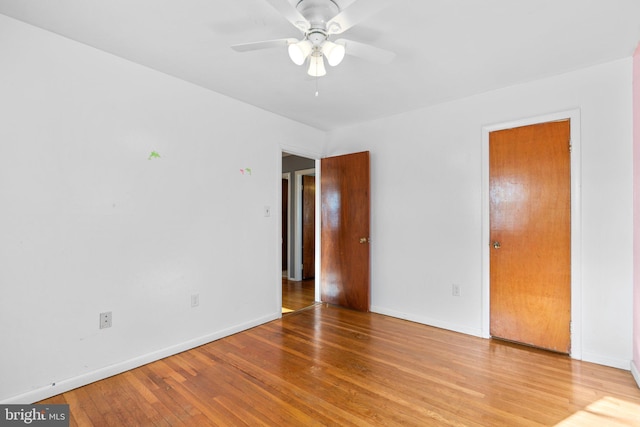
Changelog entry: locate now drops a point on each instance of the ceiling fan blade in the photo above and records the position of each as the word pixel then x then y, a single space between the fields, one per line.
pixel 367 52
pixel 355 13
pixel 291 14
pixel 266 44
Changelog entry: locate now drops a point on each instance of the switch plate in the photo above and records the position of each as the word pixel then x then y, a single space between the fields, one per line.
pixel 195 300
pixel 105 320
pixel 267 211
pixel 455 290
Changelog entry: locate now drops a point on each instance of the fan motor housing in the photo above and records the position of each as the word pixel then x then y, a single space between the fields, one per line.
pixel 316 36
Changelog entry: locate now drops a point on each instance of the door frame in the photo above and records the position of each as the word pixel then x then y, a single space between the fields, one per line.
pixel 576 221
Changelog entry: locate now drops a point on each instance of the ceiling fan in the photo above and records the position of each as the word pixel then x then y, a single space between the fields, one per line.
pixel 319 20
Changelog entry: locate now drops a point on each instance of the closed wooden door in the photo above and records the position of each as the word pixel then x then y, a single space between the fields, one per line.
pixel 308 226
pixel 530 216
pixel 344 231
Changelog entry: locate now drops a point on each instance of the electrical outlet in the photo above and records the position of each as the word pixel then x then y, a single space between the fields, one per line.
pixel 105 320
pixel 195 300
pixel 455 290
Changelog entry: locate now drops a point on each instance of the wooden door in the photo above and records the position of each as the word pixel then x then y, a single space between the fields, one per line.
pixel 308 227
pixel 285 224
pixel 530 216
pixel 344 189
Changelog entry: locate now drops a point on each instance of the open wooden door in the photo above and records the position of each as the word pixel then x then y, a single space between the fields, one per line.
pixel 530 216
pixel 345 214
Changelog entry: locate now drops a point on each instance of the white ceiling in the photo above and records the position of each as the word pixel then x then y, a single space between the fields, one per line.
pixel 446 49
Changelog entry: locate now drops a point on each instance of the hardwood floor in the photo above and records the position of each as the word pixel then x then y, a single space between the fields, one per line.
pixel 332 366
pixel 297 294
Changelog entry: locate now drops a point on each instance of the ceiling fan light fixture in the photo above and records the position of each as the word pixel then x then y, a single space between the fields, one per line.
pixel 298 52
pixel 316 65
pixel 334 52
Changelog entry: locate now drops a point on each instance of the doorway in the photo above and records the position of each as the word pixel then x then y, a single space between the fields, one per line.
pixel 298 241
pixel 342 217
pixel 573 117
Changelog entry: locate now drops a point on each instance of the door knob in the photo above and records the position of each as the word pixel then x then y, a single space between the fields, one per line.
pixel 496 245
pixel 364 240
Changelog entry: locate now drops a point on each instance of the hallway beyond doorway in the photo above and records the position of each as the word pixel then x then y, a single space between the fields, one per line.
pixel 297 295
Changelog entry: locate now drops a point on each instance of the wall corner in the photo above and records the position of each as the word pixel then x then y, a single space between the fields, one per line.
pixel 635 364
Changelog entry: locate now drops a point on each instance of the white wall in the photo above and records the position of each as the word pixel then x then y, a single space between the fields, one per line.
pixel 89 224
pixel 426 170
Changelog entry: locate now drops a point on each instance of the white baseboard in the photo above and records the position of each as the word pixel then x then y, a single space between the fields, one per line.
pixel 587 357
pixel 118 368
pixel 427 321
pixel 636 373
pixel 606 361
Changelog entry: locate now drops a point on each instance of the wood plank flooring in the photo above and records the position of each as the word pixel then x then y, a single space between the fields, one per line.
pixel 297 294
pixel 331 366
